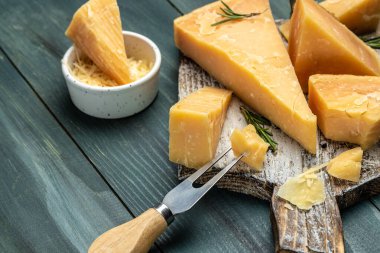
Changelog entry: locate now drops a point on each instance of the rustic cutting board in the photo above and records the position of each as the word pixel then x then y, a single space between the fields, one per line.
pixel 317 230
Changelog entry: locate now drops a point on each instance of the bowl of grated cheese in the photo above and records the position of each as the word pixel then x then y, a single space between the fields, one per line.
pixel 96 94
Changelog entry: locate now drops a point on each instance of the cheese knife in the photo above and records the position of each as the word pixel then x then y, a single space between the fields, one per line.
pixel 139 234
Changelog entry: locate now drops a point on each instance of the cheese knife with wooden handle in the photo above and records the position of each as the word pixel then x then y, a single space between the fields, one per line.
pixel 139 234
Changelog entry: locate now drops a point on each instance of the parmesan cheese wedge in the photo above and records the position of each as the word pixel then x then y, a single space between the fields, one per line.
pixel 96 30
pixel 249 142
pixel 347 165
pixel 360 16
pixel 249 57
pixel 195 124
pixel 319 44
pixel 347 107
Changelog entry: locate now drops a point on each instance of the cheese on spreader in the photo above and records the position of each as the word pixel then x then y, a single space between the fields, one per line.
pixel 319 44
pixel 248 141
pixel 195 125
pixel 347 165
pixel 347 107
pixel 87 72
pixel 249 57
pixel 360 16
pixel 96 30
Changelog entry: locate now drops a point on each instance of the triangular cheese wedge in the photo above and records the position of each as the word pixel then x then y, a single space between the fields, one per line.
pixel 249 57
pixel 319 44
pixel 347 165
pixel 360 16
pixel 347 107
pixel 96 30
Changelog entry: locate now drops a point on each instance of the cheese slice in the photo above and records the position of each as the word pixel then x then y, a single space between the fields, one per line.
pixel 195 124
pixel 347 107
pixel 96 30
pixel 347 165
pixel 319 44
pixel 360 16
pixel 249 57
pixel 304 190
pixel 248 141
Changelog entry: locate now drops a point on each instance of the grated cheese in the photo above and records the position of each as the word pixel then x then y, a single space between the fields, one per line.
pixel 87 72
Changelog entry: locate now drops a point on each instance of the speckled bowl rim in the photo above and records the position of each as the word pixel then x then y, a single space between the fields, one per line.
pixel 144 79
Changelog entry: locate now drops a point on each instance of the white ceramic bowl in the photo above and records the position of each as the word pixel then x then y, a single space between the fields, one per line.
pixel 119 101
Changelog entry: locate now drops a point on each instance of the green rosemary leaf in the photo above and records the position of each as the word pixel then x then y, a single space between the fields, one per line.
pixel 373 42
pixel 259 122
pixel 230 15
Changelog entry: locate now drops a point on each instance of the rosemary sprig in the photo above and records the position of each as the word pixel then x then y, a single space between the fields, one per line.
pixel 259 123
pixel 373 42
pixel 230 15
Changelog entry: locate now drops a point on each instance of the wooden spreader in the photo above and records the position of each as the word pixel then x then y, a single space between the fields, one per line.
pixel 316 230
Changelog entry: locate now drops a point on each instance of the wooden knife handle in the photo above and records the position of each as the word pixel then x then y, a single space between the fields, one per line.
pixel 135 236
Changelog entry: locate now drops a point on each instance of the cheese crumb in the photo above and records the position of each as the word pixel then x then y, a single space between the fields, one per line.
pixel 87 72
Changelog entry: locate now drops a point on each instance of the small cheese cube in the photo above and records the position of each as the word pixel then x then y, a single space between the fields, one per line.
pixel 247 140
pixel 195 125
pixel 347 165
pixel 347 107
pixel 360 16
pixel 319 44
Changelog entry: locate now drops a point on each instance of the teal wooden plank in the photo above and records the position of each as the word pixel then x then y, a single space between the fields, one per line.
pixel 376 201
pixel 361 228
pixel 132 153
pixel 50 194
pixel 280 8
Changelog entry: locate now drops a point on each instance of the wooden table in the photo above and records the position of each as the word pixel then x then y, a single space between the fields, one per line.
pixel 66 177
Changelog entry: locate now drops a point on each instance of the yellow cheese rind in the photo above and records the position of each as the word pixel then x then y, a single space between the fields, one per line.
pixel 319 44
pixel 347 107
pixel 249 57
pixel 96 30
pixel 360 16
pixel 304 190
pixel 195 125
pixel 248 141
pixel 347 165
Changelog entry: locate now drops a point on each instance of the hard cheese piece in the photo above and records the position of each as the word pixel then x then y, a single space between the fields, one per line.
pixel 249 57
pixel 347 165
pixel 360 16
pixel 319 44
pixel 304 190
pixel 347 107
pixel 96 30
pixel 247 140
pixel 195 124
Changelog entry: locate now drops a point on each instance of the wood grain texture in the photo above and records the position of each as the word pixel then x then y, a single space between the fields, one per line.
pixel 318 230
pixel 135 236
pixel 131 153
pixel 50 194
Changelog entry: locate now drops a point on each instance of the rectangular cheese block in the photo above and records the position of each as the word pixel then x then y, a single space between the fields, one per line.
pixel 248 141
pixel 96 30
pixel 319 44
pixel 195 125
pixel 347 107
pixel 360 16
pixel 249 57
